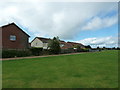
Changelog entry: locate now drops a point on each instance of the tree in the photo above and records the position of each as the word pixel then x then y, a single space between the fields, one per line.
pixel 118 48
pixel 113 48
pixel 79 48
pixel 88 47
pixel 54 46
pixel 98 48
pixel 104 48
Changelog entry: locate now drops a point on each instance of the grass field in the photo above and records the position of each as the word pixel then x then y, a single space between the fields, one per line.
pixel 88 70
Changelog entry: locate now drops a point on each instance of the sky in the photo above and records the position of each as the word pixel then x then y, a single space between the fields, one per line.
pixel 89 23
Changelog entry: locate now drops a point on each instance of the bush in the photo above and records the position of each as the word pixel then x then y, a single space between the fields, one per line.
pixel 15 53
pixel 64 51
pixel 45 52
pixel 54 46
pixel 69 50
pixel 83 50
pixel 36 51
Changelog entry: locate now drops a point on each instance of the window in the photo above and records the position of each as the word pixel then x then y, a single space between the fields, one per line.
pixel 12 37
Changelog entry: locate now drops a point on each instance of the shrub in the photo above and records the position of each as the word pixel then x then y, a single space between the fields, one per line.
pixel 84 50
pixel 69 50
pixel 15 53
pixel 45 52
pixel 79 48
pixel 64 51
pixel 54 46
pixel 23 53
pixel 36 51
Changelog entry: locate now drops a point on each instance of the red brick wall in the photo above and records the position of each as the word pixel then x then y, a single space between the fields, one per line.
pixel 21 41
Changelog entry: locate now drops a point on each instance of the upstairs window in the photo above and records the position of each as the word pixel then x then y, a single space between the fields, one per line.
pixel 12 37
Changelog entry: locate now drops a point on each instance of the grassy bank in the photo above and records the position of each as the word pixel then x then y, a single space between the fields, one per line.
pixel 87 70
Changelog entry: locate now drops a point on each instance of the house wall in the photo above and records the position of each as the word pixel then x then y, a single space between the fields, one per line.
pixel 45 45
pixel 21 41
pixel 37 43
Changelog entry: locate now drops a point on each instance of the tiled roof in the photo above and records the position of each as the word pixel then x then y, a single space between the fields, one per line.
pixel 66 45
pixel 45 40
pixel 74 43
pixel 62 42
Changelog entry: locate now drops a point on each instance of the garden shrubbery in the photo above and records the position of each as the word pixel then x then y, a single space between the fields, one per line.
pixel 15 53
pixel 36 51
pixel 83 50
pixel 45 52
pixel 54 46
pixel 71 50
pixel 21 53
pixel 65 51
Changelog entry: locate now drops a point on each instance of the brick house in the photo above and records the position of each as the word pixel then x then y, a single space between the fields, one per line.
pixel 14 37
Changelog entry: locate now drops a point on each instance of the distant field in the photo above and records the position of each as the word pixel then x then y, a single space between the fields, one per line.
pixel 88 70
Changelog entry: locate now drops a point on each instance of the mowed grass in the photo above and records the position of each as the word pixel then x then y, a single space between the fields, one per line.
pixel 86 70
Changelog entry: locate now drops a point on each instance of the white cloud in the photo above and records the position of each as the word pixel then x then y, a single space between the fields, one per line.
pixel 53 19
pixel 98 23
pixel 62 1
pixel 100 41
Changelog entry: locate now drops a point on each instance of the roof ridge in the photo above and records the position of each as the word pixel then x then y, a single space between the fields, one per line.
pixel 7 24
pixel 43 37
pixel 16 26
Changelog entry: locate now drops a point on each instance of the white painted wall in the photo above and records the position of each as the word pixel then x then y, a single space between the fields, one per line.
pixel 45 45
pixel 37 43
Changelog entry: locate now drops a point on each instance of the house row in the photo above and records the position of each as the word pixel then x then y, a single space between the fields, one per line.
pixel 43 42
pixel 13 37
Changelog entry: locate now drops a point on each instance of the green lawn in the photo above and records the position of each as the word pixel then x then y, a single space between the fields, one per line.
pixel 87 70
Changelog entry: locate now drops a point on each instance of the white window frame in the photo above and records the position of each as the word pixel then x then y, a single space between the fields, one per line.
pixel 12 37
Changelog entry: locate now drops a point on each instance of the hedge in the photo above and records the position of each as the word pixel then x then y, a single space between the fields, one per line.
pixel 36 51
pixel 15 53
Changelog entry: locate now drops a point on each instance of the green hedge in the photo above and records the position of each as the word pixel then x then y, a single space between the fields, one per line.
pixel 65 51
pixel 15 53
pixel 21 53
pixel 70 50
pixel 36 51
pixel 83 50
pixel 45 52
